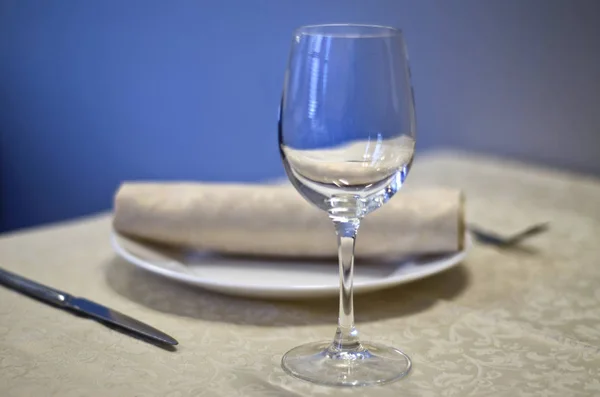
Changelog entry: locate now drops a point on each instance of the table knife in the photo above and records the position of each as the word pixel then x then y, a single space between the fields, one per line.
pixel 84 307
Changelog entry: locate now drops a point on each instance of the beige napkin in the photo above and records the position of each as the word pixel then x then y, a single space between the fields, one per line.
pixel 274 220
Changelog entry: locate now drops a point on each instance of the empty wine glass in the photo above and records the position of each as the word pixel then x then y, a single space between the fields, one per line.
pixel 347 138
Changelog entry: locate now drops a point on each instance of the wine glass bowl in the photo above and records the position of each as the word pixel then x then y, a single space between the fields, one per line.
pixel 363 173
pixel 347 139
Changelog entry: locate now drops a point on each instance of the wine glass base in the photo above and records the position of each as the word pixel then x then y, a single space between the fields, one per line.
pixel 369 364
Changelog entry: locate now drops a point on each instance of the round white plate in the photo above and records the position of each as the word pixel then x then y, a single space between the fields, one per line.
pixel 270 278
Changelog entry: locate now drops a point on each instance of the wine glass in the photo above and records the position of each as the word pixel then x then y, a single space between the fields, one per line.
pixel 347 138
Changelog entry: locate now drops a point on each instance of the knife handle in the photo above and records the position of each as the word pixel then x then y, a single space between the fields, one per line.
pixel 33 289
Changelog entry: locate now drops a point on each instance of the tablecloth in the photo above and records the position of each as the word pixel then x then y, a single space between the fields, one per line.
pixel 523 321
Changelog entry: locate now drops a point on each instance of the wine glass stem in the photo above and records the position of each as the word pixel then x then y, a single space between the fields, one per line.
pixel 346 336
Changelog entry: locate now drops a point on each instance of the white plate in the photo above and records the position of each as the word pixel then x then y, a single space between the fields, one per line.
pixel 268 278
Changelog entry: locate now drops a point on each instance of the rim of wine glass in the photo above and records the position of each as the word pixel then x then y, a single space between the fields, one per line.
pixel 390 30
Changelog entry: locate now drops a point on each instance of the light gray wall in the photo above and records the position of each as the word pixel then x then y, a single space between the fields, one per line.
pixel 95 92
pixel 520 78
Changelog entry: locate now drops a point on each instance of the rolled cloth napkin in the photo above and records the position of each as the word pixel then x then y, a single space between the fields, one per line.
pixel 274 220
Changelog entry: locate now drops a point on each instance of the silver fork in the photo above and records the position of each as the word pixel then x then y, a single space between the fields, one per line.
pixel 492 238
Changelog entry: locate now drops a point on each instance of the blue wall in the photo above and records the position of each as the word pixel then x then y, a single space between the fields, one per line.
pixel 96 92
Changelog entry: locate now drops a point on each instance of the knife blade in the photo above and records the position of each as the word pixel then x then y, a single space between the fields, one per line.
pixel 83 306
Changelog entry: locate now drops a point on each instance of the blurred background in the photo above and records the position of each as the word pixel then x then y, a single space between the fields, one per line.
pixel 96 92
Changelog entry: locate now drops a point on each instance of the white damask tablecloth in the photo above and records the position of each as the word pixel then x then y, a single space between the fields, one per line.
pixel 520 322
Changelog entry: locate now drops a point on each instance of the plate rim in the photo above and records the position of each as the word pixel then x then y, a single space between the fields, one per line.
pixel 272 290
